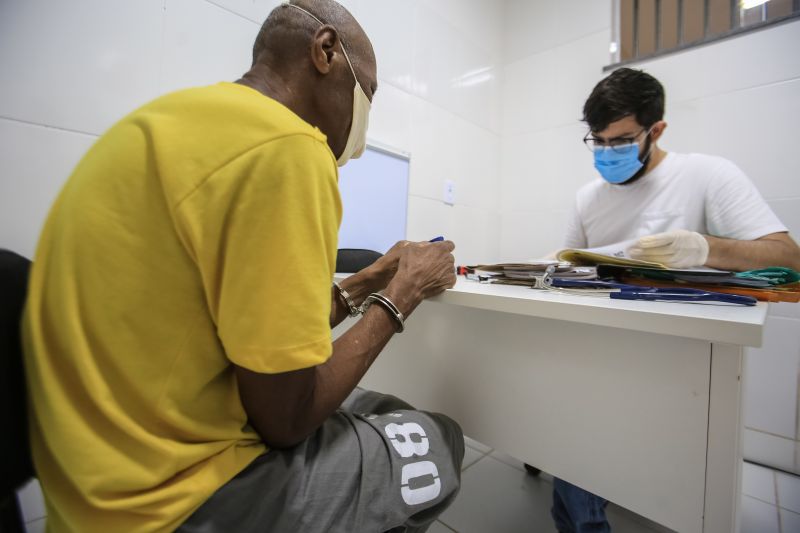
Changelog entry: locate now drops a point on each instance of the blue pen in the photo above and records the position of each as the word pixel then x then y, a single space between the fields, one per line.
pixel 437 239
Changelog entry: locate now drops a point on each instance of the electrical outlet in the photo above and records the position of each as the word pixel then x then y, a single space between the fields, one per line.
pixel 449 192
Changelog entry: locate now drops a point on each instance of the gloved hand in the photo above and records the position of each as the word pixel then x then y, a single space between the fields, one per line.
pixel 675 249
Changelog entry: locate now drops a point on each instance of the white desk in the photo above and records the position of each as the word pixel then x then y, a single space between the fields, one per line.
pixel 637 401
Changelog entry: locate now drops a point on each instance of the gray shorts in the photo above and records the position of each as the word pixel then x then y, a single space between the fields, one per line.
pixel 375 465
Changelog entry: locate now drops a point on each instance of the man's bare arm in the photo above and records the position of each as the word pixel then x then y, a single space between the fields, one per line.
pixel 285 408
pixel 775 249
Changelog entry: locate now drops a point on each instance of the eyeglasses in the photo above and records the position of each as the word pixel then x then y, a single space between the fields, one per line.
pixel 619 144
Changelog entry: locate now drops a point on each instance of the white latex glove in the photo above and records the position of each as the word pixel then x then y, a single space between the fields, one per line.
pixel 676 249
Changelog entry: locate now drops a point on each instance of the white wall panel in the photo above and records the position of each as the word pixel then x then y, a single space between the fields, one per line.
pixel 433 148
pixel 751 60
pixel 755 128
pixel 474 231
pixel 36 162
pixel 204 44
pixel 772 379
pixel 481 22
pixel 255 10
pixel 392 35
pixel 533 27
pixel 548 89
pixel 390 117
pixel 427 219
pixel 788 210
pixel 544 169
pixel 78 65
pixel 531 234
pixel 476 166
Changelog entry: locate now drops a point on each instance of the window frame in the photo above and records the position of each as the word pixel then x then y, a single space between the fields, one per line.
pixel 616 62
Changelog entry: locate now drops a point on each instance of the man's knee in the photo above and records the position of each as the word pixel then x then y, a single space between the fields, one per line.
pixel 451 433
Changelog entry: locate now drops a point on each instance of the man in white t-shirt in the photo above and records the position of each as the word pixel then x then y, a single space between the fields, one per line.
pixel 682 210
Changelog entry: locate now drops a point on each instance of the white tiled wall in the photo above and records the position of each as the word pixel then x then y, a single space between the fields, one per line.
pixel 439 100
pixel 554 54
pixel 737 98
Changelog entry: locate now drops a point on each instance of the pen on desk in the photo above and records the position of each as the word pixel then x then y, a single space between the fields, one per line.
pixel 437 239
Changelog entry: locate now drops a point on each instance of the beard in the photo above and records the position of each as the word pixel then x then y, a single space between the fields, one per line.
pixel 642 171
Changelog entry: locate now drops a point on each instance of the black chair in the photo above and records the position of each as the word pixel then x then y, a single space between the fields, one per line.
pixel 351 260
pixel 16 467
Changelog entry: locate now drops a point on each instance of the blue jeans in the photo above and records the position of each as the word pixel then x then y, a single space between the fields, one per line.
pixel 578 511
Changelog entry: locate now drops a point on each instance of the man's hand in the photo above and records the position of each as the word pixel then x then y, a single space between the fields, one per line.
pixel 424 269
pixel 676 249
pixel 383 270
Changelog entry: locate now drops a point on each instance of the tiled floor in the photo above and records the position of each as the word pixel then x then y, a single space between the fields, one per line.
pixel 499 496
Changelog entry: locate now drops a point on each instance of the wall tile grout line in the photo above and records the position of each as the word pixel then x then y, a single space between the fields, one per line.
pixel 47 126
pixel 765 432
pixel 734 91
pixel 556 47
pixel 232 12
pixel 777 499
pixel 405 90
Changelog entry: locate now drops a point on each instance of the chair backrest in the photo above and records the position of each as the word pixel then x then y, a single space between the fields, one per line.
pixel 351 260
pixel 15 462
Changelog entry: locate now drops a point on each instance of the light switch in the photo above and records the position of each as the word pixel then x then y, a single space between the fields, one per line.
pixel 449 192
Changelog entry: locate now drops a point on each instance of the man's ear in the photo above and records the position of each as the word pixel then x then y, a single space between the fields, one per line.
pixel 323 48
pixel 658 130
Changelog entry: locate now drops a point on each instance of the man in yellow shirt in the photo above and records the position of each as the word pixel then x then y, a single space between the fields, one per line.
pixel 178 326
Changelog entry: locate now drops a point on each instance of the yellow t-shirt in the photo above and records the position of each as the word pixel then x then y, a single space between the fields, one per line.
pixel 200 230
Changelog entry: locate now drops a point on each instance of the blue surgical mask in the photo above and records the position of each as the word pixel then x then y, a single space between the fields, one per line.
pixel 617 166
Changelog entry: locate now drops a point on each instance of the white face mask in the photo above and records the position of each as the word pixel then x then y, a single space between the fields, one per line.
pixel 357 139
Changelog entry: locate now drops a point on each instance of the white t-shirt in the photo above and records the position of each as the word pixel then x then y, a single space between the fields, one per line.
pixel 695 192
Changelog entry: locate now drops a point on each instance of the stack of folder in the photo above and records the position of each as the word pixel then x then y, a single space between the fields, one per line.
pixel 530 273
pixel 645 273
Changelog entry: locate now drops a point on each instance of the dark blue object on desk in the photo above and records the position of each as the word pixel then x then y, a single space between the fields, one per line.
pixel 681 295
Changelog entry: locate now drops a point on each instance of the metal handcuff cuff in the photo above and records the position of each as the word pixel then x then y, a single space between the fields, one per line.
pixel 375 297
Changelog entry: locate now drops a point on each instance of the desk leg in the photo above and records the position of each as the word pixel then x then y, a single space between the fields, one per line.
pixel 724 460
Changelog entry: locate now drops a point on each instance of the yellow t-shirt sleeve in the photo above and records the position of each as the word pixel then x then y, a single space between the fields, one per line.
pixel 262 231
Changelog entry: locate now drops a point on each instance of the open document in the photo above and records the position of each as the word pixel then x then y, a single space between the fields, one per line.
pixel 612 254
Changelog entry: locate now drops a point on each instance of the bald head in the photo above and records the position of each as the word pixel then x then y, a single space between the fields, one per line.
pixel 284 36
pixel 306 56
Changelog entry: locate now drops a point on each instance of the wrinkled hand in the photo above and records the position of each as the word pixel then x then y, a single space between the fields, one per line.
pixel 676 249
pixel 385 268
pixel 424 269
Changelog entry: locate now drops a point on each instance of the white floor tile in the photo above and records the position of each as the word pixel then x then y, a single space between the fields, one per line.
pixel 470 457
pixel 790 522
pixel 758 482
pixel 31 501
pixel 789 492
pixel 758 517
pixel 498 498
pixel 508 460
pixel 769 450
pixel 624 521
pixel 37 526
pixel 438 527
pixel 475 445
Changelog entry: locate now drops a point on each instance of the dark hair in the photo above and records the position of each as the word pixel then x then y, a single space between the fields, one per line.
pixel 623 93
